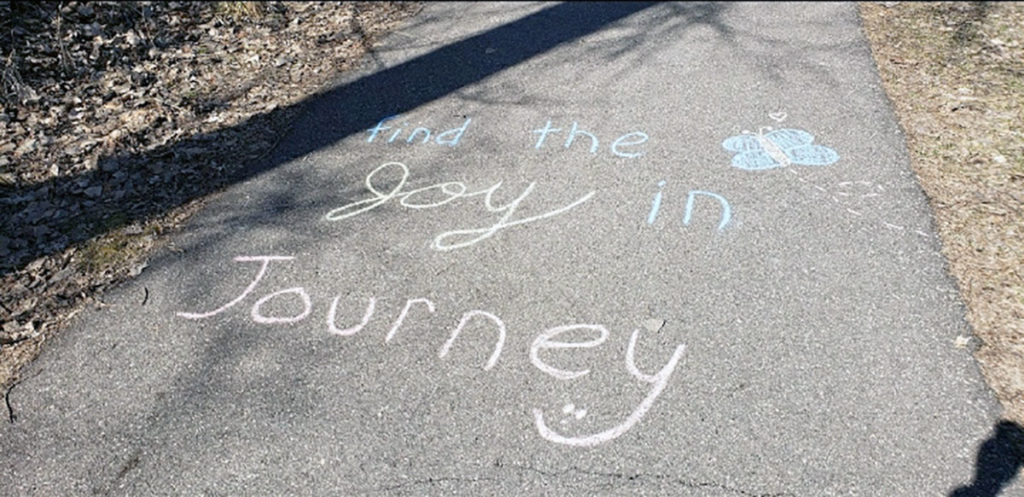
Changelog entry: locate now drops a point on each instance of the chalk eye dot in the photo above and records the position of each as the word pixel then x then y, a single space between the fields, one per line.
pixel 570 411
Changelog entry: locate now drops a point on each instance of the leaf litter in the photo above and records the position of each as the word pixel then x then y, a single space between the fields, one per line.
pixel 192 90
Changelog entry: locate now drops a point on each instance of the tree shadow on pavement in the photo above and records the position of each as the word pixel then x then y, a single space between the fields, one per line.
pixel 123 190
pixel 998 461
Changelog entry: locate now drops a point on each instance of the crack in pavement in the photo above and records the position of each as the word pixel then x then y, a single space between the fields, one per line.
pixel 663 478
pixel 640 476
pixel 430 482
pixel 620 478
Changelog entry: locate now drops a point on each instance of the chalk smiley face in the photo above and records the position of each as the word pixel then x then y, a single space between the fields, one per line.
pixel 571 413
pixel 658 382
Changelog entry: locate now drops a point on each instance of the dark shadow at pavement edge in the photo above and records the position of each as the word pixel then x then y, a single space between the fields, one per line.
pixel 354 107
pixel 998 462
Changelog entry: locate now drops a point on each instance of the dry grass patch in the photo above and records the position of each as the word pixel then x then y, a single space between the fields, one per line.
pixel 241 10
pixel 955 74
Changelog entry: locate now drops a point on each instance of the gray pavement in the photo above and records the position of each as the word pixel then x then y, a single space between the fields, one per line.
pixel 669 249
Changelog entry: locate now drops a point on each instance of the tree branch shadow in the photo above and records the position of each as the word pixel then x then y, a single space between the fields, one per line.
pixel 126 189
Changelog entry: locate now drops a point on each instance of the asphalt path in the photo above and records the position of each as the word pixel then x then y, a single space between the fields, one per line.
pixel 542 249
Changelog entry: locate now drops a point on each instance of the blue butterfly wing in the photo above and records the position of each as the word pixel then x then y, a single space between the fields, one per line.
pixel 787 138
pixel 741 143
pixel 812 155
pixel 754 160
pixel 797 144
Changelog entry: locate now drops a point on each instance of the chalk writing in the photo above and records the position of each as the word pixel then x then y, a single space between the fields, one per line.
pixel 301 292
pixel 450 137
pixel 259 275
pixel 765 149
pixel 617 148
pixel 655 204
pixel 401 316
pixel 726 209
pixel 462 323
pixel 658 381
pixel 449 240
pixel 768 149
pixel 331 328
pixel 546 340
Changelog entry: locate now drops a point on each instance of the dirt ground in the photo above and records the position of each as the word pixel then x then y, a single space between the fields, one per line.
pixel 955 74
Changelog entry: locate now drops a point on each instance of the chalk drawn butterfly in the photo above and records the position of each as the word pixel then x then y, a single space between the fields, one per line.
pixel 770 148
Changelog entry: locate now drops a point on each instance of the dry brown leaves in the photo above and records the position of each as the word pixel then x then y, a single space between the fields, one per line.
pixel 955 73
pixel 118 118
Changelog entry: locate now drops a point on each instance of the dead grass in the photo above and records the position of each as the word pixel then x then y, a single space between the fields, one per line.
pixel 241 10
pixel 955 74
pixel 116 249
